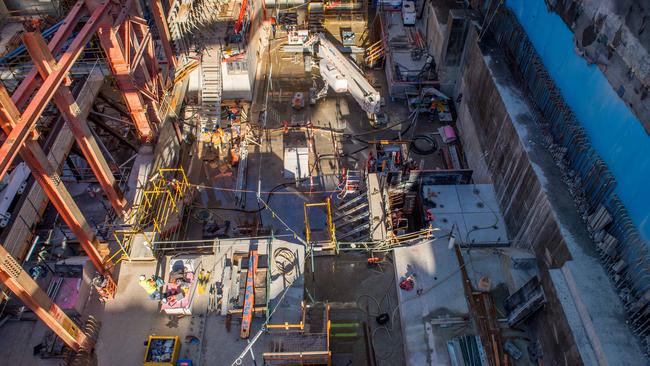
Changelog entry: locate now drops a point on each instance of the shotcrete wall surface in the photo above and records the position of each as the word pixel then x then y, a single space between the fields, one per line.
pixel 584 321
pixel 614 131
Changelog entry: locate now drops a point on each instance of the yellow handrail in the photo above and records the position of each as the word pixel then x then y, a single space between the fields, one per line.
pixel 160 200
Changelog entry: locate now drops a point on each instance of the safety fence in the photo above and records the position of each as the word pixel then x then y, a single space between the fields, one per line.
pixel 623 252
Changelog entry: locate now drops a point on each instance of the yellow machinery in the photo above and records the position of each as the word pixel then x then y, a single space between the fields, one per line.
pixel 328 241
pixel 161 199
pixel 287 326
pixel 374 53
pixel 162 351
pixel 185 70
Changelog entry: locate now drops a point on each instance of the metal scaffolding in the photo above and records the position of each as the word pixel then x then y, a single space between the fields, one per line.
pixel 329 241
pixel 161 200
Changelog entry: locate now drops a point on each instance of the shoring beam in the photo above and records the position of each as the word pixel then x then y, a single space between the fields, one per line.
pixel 120 66
pixel 46 175
pixel 23 127
pixel 149 69
pixel 28 291
pixel 144 44
pixel 31 81
pixel 111 131
pixel 68 107
pixel 163 32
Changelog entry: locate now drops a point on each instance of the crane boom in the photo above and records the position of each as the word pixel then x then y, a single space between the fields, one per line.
pixel 343 75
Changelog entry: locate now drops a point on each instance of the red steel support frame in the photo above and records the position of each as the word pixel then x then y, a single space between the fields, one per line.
pixel 121 68
pixel 23 127
pixel 144 66
pixel 48 178
pixel 31 81
pixel 28 291
pixel 19 127
pixel 163 32
pixel 22 139
pixel 66 104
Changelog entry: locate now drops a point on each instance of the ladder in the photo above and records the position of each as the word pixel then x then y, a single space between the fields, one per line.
pixel 211 89
pixel 350 203
pixel 345 214
pixel 316 17
pixel 352 220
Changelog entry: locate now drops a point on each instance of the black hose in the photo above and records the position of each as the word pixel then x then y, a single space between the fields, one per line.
pixel 268 199
pixel 356 151
pixel 420 151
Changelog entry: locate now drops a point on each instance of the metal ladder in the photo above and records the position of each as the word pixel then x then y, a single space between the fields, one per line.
pixel 354 219
pixel 357 230
pixel 211 89
pixel 358 199
pixel 341 215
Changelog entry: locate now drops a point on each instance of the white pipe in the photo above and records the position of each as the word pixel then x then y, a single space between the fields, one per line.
pixel 283 3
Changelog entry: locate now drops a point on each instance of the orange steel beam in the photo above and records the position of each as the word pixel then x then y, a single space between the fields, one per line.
pixel 249 295
pixel 32 81
pixel 121 68
pixel 163 32
pixel 66 104
pixel 28 291
pixel 240 19
pixel 148 69
pixel 23 128
pixel 46 175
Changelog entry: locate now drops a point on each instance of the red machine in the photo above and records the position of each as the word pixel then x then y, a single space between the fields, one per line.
pixel 240 18
pixel 407 283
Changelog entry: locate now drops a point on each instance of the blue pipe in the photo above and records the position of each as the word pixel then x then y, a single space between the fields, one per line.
pixel 21 49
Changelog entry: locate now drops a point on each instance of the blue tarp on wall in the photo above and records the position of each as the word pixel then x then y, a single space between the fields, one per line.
pixel 614 131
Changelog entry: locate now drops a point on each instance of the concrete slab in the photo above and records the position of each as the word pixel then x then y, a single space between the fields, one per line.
pixel 131 317
pixel 442 199
pixel 471 208
pixel 433 269
pixel 438 313
pixel 477 198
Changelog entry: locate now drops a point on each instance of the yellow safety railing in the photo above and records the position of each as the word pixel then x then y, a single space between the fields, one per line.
pixel 161 199
pixel 421 234
pixel 185 70
pixel 374 52
pixel 287 325
pixel 331 227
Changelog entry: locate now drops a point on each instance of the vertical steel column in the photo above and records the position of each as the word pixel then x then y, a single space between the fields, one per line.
pixel 121 69
pixel 28 291
pixel 51 183
pixel 163 32
pixel 68 107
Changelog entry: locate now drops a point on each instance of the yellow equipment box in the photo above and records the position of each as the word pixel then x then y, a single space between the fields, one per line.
pixel 162 351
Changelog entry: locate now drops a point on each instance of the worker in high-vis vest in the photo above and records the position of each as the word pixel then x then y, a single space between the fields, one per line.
pixel 150 286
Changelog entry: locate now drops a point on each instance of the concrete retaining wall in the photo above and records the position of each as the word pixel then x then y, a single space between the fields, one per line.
pixel 582 322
